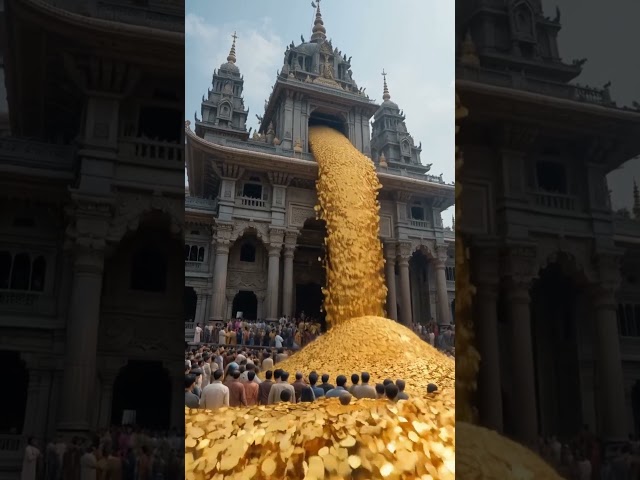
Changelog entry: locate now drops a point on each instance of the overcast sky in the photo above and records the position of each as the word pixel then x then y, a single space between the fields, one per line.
pixel 413 40
pixel 607 34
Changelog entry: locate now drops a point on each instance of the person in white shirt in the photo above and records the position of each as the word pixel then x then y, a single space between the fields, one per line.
pixel 222 336
pixel 196 335
pixel 244 376
pixel 216 394
pixel 278 339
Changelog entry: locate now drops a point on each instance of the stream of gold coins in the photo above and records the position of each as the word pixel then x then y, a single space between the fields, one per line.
pixel 366 439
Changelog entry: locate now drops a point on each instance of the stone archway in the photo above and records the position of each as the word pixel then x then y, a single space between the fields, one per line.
pixel 556 296
pixel 190 304
pixel 245 301
pixel 145 388
pixel 16 376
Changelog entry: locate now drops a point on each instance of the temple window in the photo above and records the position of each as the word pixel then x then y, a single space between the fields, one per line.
pixel 247 253
pixel 417 212
pixel 252 190
pixel 149 271
pixel 551 177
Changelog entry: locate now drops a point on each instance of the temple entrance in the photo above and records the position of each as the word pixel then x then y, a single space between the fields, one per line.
pixel 144 387
pixel 635 406
pixel 16 377
pixel 309 300
pixel 247 303
pixel 190 302
pixel 555 347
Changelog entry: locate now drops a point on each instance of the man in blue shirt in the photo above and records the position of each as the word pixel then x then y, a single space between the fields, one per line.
pixel 313 379
pixel 341 381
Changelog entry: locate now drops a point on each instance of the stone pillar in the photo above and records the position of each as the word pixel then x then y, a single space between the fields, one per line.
pixel 107 380
pixel 611 408
pixel 37 400
pixel 485 273
pixel 199 307
pixel 439 263
pixel 523 382
pixel 390 274
pixel 260 296
pixel 287 282
pixel 77 401
pixel 273 282
pixel 223 242
pixel 230 312
pixel 403 254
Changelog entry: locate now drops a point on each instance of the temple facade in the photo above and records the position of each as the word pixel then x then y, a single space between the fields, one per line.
pixel 92 199
pixel 556 271
pixel 253 244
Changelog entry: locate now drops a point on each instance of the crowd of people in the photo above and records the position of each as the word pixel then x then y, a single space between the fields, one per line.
pixel 118 453
pixel 228 377
pixel 287 332
pixel 443 337
pixel 584 457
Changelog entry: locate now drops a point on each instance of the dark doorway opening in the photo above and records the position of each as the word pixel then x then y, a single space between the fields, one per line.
pixel 160 123
pixel 16 377
pixel 326 119
pixel 309 300
pixel 555 350
pixel 247 303
pixel 132 389
pixel 635 406
pixel 190 303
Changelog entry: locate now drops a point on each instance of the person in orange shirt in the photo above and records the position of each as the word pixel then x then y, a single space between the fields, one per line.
pixel 251 389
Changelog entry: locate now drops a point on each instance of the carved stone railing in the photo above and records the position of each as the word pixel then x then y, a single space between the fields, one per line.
pixel 449 235
pixel 154 150
pixel 196 203
pixel 195 266
pixel 11 442
pixel 16 298
pixel 404 173
pixel 518 81
pixel 422 224
pixel 627 227
pixel 251 202
pixel 554 201
pixel 32 154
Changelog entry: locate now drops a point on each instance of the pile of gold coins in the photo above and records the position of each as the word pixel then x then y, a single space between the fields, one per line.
pixel 347 189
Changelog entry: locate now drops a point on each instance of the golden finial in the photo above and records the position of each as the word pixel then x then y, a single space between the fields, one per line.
pixel 232 53
pixel 385 92
pixel 469 53
pixel 318 33
pixel 382 160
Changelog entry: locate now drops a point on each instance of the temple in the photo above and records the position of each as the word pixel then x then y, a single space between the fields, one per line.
pixel 253 242
pixel 556 271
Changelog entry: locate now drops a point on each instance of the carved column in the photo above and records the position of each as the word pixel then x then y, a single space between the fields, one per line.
pixel 223 242
pixel 439 263
pixel 260 296
pixel 611 407
pixel 198 314
pixel 37 399
pixel 403 254
pixel 486 281
pixel 390 274
pixel 107 380
pixel 520 267
pixel 276 237
pixel 77 402
pixel 230 312
pixel 287 283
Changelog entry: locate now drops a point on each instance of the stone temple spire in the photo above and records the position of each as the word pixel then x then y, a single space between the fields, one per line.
pixel 385 92
pixel 319 33
pixel 232 53
pixel 636 200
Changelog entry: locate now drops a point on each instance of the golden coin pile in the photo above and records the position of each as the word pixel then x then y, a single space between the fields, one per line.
pixel 368 439
pixel 347 189
pixel 485 455
pixel 382 347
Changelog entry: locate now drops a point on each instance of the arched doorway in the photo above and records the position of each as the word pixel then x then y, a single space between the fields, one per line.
pixel 246 302
pixel 309 299
pixel 16 376
pixel 309 265
pixel 144 387
pixel 190 302
pixel 554 298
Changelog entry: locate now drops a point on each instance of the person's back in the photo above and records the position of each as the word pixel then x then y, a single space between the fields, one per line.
pixel 216 394
pixel 114 469
pixel 326 386
pixel 341 381
pixel 237 394
pixel 317 390
pixel 251 389
pixel 264 388
pixel 364 390
pixel 298 386
pixel 267 363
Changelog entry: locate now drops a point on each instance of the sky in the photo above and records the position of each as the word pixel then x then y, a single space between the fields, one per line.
pixel 606 33
pixel 412 40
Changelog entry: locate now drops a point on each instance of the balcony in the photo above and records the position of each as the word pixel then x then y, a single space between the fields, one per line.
pixel 195 203
pixel 19 153
pixel 195 266
pixel 554 201
pixel 420 224
pixel 251 202
pixel 152 151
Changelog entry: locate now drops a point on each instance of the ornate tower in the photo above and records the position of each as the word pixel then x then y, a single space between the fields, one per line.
pixel 390 142
pixel 223 112
pixel 514 35
pixel 315 86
